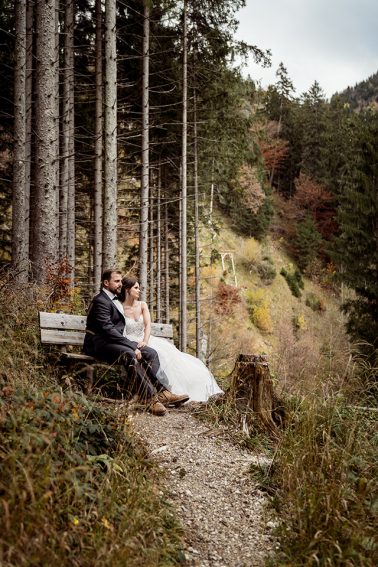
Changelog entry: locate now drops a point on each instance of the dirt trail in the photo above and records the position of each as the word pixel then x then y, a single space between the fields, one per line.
pixel 208 482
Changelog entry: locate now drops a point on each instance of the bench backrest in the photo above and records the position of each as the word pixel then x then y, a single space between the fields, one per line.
pixel 64 329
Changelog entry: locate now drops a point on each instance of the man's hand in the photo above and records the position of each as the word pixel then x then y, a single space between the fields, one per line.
pixel 138 354
pixel 141 344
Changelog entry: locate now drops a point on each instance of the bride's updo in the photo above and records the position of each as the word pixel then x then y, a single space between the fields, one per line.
pixel 127 283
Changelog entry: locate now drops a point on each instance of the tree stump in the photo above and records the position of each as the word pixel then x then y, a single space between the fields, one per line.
pixel 252 391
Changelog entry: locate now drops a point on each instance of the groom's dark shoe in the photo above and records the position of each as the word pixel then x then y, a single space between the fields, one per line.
pixel 172 400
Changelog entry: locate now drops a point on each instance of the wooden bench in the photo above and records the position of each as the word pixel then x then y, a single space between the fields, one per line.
pixel 66 331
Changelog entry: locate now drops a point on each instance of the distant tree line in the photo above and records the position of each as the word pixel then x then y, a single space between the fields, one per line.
pixel 322 159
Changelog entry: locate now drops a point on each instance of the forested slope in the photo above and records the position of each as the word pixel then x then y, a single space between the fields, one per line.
pixel 362 95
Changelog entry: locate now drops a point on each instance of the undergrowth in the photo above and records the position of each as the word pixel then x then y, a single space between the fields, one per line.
pixel 324 482
pixel 76 488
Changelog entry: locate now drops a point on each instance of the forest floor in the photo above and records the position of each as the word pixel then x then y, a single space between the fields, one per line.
pixel 208 481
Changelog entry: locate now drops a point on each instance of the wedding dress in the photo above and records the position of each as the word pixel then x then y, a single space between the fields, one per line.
pixel 186 374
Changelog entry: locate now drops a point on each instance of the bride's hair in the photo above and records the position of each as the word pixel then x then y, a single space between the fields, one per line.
pixel 127 283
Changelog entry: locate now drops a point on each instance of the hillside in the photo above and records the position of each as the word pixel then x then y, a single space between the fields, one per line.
pixel 303 336
pixel 362 95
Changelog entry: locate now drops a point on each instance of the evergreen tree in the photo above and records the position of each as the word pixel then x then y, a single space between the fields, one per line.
pixel 313 122
pixel 356 249
pixel 306 242
pixel 284 109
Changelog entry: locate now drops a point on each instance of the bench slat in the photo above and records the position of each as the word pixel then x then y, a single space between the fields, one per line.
pixel 61 337
pixel 66 329
pixel 164 330
pixel 62 321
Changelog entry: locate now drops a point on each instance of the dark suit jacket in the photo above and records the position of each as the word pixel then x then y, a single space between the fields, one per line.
pixel 105 325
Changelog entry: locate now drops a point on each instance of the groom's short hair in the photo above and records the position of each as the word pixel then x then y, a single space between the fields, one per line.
pixel 107 274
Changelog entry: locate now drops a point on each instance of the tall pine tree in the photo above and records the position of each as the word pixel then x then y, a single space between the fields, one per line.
pixel 357 245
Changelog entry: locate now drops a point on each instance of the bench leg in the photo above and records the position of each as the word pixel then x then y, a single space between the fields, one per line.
pixel 89 373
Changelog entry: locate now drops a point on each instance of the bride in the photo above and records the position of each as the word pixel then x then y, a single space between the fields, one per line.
pixel 185 373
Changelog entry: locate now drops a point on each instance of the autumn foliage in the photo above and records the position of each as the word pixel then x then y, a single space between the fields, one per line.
pixel 227 297
pixel 310 199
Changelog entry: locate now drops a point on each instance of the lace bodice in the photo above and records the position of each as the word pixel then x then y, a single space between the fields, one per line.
pixel 134 330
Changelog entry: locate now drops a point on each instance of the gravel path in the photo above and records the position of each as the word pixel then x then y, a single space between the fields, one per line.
pixel 208 482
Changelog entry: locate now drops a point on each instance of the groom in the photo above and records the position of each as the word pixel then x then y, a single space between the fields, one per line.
pixel 105 341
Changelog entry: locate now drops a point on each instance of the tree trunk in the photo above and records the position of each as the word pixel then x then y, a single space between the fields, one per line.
pixel 29 113
pixel 69 69
pixel 110 189
pixel 46 245
pixel 166 262
pixel 57 119
pixel 64 183
pixel 183 249
pixel 145 155
pixel 19 222
pixel 158 247
pixel 98 212
pixel 67 194
pixel 151 257
pixel 212 233
pixel 180 247
pixel 252 391
pixel 196 236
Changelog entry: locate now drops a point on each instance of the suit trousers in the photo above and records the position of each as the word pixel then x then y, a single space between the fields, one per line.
pixel 141 374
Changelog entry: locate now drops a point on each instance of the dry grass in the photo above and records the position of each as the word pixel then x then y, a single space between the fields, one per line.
pixel 76 488
pixel 324 480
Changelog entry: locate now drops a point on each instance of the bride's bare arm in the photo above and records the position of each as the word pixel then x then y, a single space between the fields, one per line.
pixel 147 324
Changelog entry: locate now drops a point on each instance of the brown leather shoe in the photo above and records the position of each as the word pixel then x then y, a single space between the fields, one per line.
pixel 168 399
pixel 155 407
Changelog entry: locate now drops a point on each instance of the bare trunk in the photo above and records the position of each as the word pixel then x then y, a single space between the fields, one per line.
pixel 183 249
pixel 151 257
pixel 210 323
pixel 19 226
pixel 158 247
pixel 29 112
pixel 110 189
pixel 145 154
pixel 64 181
pixel 97 252
pixel 166 263
pixel 57 120
pixel 69 68
pixel 180 245
pixel 46 234
pixel 196 236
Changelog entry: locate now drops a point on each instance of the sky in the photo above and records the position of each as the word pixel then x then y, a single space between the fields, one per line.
pixel 334 42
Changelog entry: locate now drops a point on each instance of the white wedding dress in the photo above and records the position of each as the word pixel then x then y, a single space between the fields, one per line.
pixel 186 374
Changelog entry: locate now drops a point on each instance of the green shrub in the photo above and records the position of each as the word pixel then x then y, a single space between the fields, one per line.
pixel 315 303
pixel 266 270
pixel 294 281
